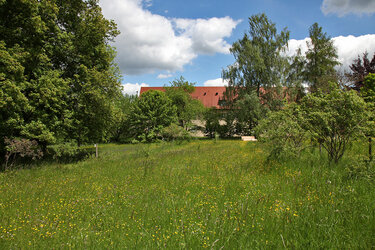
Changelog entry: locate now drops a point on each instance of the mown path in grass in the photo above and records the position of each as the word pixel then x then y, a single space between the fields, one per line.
pixel 194 195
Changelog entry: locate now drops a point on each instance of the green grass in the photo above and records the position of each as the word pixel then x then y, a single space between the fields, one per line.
pixel 194 195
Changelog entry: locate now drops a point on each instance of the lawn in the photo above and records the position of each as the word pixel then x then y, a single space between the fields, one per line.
pixel 199 194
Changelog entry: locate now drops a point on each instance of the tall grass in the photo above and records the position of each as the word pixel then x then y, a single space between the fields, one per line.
pixel 202 194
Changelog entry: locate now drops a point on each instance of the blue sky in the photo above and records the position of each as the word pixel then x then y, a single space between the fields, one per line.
pixel 163 39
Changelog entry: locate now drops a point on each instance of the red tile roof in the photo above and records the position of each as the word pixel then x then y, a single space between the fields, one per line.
pixel 209 96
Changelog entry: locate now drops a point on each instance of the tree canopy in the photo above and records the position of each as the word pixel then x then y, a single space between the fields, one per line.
pixel 334 119
pixel 152 112
pixel 187 108
pixel 321 58
pixel 56 70
pixel 258 57
pixel 360 68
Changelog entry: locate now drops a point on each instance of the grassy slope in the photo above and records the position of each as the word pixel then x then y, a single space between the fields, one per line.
pixel 198 194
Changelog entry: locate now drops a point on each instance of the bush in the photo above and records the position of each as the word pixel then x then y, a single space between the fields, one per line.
pixel 175 132
pixel 150 114
pixel 20 148
pixel 69 152
pixel 334 119
pixel 360 168
pixel 212 118
pixel 282 132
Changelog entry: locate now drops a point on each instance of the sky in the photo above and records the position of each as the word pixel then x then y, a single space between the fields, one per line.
pixel 162 40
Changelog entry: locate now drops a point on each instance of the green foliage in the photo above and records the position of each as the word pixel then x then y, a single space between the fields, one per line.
pixel 282 133
pixel 368 89
pixel 334 119
pixel 120 129
pixel 359 168
pixel 295 78
pixel 150 114
pixel 181 84
pixel 69 152
pixel 259 63
pixel 321 58
pixel 212 119
pixel 221 123
pixel 360 68
pixel 188 108
pixel 174 132
pixel 249 112
pixel 57 74
pixel 368 93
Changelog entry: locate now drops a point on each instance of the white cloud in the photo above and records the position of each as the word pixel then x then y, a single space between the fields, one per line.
pixel 348 48
pixel 216 82
pixel 149 42
pixel 164 76
pixel 133 88
pixel 207 35
pixel 293 45
pixel 344 7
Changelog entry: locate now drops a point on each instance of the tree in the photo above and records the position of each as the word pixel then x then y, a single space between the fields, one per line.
pixel 321 58
pixel 152 112
pixel 57 69
pixel 188 108
pixel 334 119
pixel 249 111
pixel 360 69
pixel 120 129
pixel 282 131
pixel 368 93
pixel 295 78
pixel 258 63
pixel 212 119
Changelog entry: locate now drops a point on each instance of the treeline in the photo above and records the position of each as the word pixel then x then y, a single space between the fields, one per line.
pixel 58 80
pixel 288 101
pixel 60 86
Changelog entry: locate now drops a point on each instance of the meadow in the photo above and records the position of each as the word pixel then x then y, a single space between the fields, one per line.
pixel 198 194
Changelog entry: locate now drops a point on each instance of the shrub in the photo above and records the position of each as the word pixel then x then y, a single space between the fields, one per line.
pixel 360 168
pixel 21 148
pixel 150 114
pixel 334 119
pixel 212 118
pixel 69 152
pixel 282 132
pixel 175 132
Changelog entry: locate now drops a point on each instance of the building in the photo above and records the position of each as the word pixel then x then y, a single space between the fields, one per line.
pixel 209 96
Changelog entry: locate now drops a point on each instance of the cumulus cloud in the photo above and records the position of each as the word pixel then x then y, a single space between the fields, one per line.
pixel 216 82
pixel 207 35
pixel 164 76
pixel 344 7
pixel 149 42
pixel 348 48
pixel 133 88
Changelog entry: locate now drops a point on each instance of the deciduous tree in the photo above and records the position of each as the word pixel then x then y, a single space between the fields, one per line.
pixel 368 93
pixel 152 112
pixel 188 108
pixel 334 119
pixel 259 62
pixel 360 69
pixel 58 72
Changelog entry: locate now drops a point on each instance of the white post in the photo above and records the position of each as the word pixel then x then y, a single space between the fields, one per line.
pixel 96 150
